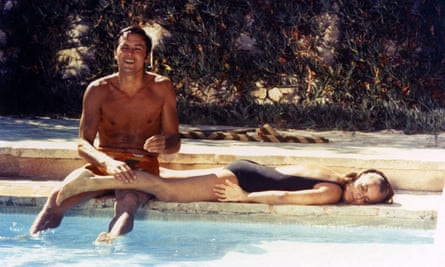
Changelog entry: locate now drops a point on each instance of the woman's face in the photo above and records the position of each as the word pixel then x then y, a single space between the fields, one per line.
pixel 364 190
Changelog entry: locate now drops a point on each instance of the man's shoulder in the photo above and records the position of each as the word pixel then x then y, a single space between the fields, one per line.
pixel 103 81
pixel 157 78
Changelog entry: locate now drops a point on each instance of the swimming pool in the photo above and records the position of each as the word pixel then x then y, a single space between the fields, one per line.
pixel 204 243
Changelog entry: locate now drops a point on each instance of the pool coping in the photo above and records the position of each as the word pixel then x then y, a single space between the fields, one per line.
pixel 409 210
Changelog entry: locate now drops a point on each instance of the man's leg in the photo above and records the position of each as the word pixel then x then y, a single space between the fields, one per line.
pixel 127 202
pixel 51 214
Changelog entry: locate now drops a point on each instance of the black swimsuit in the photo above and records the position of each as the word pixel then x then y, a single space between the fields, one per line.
pixel 254 177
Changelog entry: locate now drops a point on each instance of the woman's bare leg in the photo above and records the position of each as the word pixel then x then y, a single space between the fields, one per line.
pixel 194 188
pixel 171 173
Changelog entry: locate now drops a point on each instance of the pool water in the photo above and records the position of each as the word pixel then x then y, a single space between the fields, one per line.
pixel 204 243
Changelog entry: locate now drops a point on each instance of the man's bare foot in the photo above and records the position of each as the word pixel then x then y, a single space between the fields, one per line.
pixel 47 218
pixel 105 238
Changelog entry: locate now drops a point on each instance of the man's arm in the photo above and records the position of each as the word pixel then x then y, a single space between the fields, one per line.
pixel 170 121
pixel 169 141
pixel 89 123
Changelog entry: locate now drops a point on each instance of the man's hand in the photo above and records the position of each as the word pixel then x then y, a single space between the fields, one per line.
pixel 155 144
pixel 120 170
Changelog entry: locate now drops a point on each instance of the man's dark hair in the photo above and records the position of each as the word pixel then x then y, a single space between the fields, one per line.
pixel 135 29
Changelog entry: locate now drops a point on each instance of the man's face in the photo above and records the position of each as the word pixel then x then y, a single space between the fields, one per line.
pixel 131 53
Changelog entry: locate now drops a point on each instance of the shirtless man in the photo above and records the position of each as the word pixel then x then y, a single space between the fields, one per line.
pixel 134 114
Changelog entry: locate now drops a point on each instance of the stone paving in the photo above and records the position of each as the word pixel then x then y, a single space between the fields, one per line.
pixel 19 129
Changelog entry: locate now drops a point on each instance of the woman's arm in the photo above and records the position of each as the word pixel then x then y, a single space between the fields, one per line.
pixel 322 193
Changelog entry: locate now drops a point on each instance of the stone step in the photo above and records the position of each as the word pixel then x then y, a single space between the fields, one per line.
pixel 422 170
pixel 410 209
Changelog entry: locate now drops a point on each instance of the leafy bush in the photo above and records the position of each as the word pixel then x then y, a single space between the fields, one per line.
pixel 364 65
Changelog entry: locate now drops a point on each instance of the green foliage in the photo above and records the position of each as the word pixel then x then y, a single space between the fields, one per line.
pixel 31 76
pixel 357 65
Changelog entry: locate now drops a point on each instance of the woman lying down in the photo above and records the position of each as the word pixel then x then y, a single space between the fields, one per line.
pixel 247 181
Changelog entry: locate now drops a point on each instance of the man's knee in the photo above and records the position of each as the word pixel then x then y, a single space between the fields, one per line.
pixel 131 197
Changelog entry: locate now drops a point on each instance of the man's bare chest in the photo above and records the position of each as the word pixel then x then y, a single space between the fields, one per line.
pixel 142 103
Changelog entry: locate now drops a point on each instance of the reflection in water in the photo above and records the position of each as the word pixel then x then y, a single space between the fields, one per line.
pixel 203 243
pixel 439 238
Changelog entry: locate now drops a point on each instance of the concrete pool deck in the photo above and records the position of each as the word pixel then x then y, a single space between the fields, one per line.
pixel 36 154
